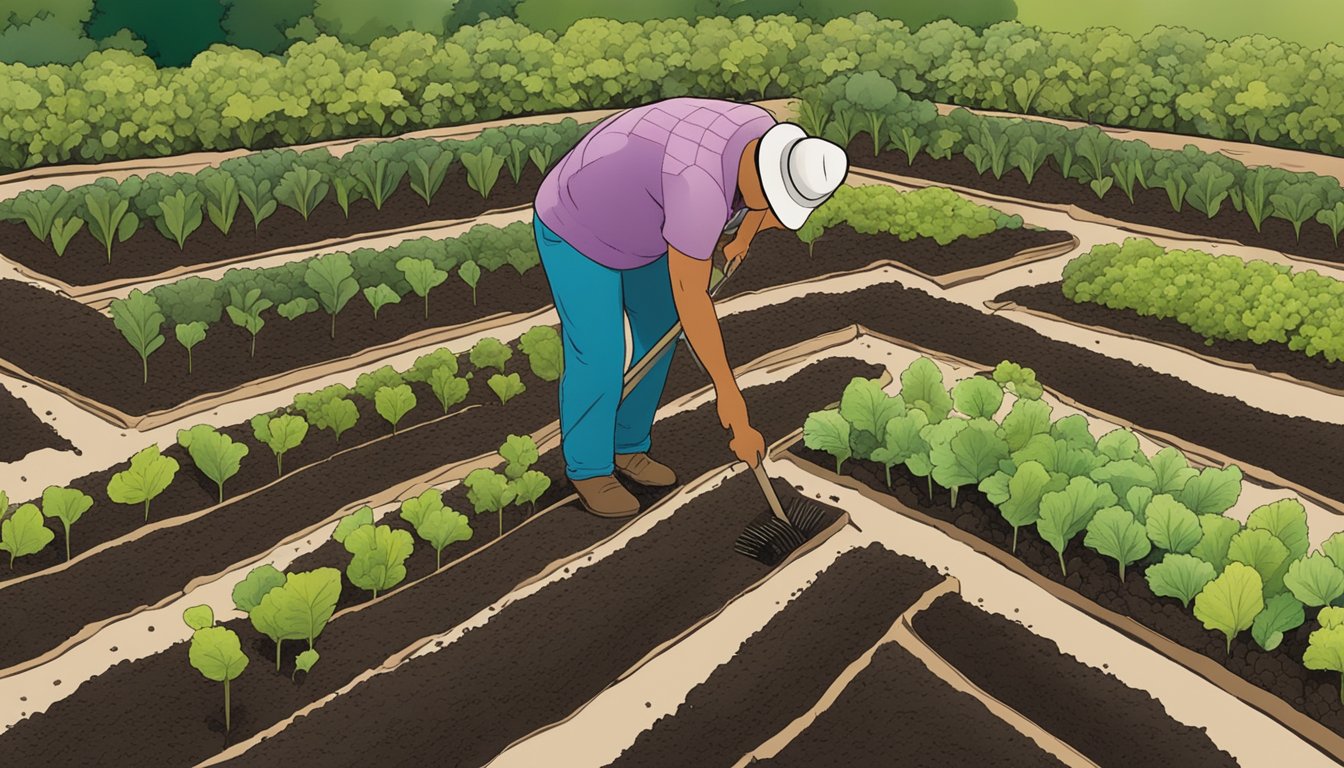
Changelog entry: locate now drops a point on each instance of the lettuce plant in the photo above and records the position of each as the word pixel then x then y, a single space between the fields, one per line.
pixel 528 487
pixel 149 475
pixel 67 505
pixel 506 387
pixel 1064 514
pixel 299 609
pixel 1259 550
pixel 448 388
pixel 1215 539
pixel 470 273
pixel 221 198
pixel 922 389
pixel 1286 519
pixel 302 188
pixel 1171 525
pixel 1021 504
pixel 393 403
pixel 423 277
pixel 379 554
pixel 1315 580
pixel 1325 646
pixel 1230 602
pixel 247 594
pixel 296 308
pixel 380 296
pixel 520 453
pixel 141 323
pixel 1179 576
pixel 218 655
pixel 545 353
pixel 216 454
pixel 368 384
pixel 1282 613
pixel 245 312
pixel 304 662
pixel 1025 420
pixel 490 353
pixel 337 415
pixel 483 169
pixel 436 523
pixel 977 397
pixel 180 215
pixel 281 434
pixel 902 444
pixel 23 533
pixel 331 277
pixel 828 431
pixel 1212 491
pixel 1114 533
pixel 489 491
pixel 259 197
pixel 351 522
pixel 377 177
pixel 1295 203
pixel 967 457
pixel 189 335
pixel 868 408
pixel 109 217
pixel 428 166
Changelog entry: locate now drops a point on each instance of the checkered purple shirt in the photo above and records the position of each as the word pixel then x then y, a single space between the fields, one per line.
pixel 664 173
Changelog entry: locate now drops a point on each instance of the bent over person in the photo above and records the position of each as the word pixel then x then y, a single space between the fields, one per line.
pixel 627 224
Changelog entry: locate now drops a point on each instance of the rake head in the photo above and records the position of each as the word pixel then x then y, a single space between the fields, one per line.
pixel 772 540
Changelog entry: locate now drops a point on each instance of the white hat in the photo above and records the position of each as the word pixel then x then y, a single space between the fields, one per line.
pixel 798 172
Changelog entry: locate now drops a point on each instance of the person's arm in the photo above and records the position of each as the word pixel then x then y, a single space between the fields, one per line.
pixel 690 291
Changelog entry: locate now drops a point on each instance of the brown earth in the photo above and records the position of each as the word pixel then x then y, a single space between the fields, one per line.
pixel 23 432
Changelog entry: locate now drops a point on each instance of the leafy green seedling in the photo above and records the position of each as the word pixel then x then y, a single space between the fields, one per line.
pixel 304 662
pixel 379 557
pixel 1213 491
pixel 470 273
pixel 1260 550
pixel 281 434
pixel 528 487
pixel 247 594
pixel 1026 488
pixel 1286 519
pixel 1121 445
pixel 1216 539
pixel 520 451
pixel 490 353
pixel 922 389
pixel 545 353
pixel 425 365
pixel 296 308
pixel 435 523
pixel 828 431
pixel 1171 526
pixel 977 397
pixel 1115 533
pixel 199 617
pixel 506 387
pixel 380 296
pixel 368 384
pixel 1025 420
pixel 141 323
pixel 300 609
pixel 393 403
pixel 901 441
pixel 245 311
pixel 1123 475
pixel 868 408
pixel 338 415
pixel 23 533
pixel 110 217
pixel 1315 580
pixel 347 525
pixel 1074 431
pixel 1018 380
pixel 967 457
pixel 189 335
pixel 1172 470
pixel 218 655
pixel 449 389
pixel 1325 646
pixel 180 216
pixel 1179 576
pixel 1066 513
pixel 332 277
pixel 1231 601
pixel 423 277
pixel 217 455
pixel 489 491
pixel 1282 613
pixel 149 475
pixel 66 505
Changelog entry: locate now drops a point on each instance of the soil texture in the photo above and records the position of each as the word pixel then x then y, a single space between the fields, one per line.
pixel 23 431
pixel 785 667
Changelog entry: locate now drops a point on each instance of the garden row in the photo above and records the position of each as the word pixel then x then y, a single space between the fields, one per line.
pixel 462 277
pixel 1190 191
pixel 23 431
pixel 430 601
pixel 1051 482
pixel 114 104
pixel 285 198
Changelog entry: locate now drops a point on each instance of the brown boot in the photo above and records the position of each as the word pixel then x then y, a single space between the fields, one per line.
pixel 645 471
pixel 606 497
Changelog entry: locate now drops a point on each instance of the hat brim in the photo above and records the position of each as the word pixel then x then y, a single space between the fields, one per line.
pixel 772 159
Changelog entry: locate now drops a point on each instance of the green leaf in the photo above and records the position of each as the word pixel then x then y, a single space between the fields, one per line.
pixel 977 397
pixel 339 415
pixel 1213 491
pixel 1282 613
pixel 1217 537
pixel 1172 471
pixel 1115 533
pixel 393 403
pixel 305 603
pixel 995 487
pixel 1287 520
pixel 357 519
pixel 922 389
pixel 1026 488
pixel 1179 576
pixel 1018 380
pixel 1074 431
pixel 1315 580
pixel 1124 474
pixel 1120 445
pixel 332 278
pixel 1172 526
pixel 189 335
pixel 529 486
pixel 141 324
pixel 1025 420
pixel 23 533
pixel 67 505
pixel 247 594
pixel 506 387
pixel 828 431
pixel 903 444
pixel 199 617
pixel 520 451
pixel 488 491
pixel 868 409
pixel 214 453
pixel 490 353
pixel 1325 650
pixel 970 456
pixel 304 661
pixel 380 553
pixel 470 273
pixel 435 523
pixel 380 296
pixel 217 654
pixel 422 275
pixel 545 353
pixel 448 388
pixel 1260 550
pixel 149 475
pixel 1331 616
pixel 281 434
pixel 1056 455
pixel 1136 500
pixel 1231 601
pixel 1065 513
pixel 1333 548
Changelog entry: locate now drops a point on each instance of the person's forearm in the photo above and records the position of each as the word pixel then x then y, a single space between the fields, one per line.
pixel 701 326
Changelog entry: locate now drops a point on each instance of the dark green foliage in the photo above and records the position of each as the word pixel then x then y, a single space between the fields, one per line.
pixel 174 31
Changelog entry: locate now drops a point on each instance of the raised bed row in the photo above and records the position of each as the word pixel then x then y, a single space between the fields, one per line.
pixel 169 696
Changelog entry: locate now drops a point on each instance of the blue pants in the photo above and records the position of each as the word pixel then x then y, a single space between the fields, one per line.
pixel 593 301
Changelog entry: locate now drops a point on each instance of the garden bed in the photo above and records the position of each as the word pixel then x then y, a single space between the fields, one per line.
pixel 1277 359
pixel 23 432
pixel 1278 672
pixel 159 692
pixel 1151 207
pixel 148 253
pixel 1090 709
pixel 786 666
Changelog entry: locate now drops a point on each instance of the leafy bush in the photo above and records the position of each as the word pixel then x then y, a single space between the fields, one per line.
pixel 932 212
pixel 149 475
pixel 368 384
pixel 216 454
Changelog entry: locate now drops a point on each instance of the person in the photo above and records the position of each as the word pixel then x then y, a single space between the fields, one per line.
pixel 627 223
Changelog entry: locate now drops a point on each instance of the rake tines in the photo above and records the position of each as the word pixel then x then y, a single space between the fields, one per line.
pixel 772 540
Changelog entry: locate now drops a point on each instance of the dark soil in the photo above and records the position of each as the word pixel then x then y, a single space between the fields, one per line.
pixel 1272 356
pixel 161 694
pixel 842 249
pixel 1151 207
pixel 1089 709
pixel 898 713
pixel 785 667
pixel 543 657
pixel 148 252
pixel 22 431
pixel 1279 672
pixel 67 343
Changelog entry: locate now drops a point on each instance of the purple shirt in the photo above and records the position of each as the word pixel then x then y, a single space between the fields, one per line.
pixel 664 173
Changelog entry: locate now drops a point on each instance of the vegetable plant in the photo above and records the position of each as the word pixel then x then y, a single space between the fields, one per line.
pixel 520 453
pixel 66 505
pixel 141 323
pixel 1021 504
pixel 977 397
pixel 281 434
pixel 1230 602
pixel 218 655
pixel 221 199
pixel 302 188
pixel 922 389
pixel 428 166
pixel 545 354
pixel 470 273
pixel 368 384
pixel 149 475
pixel 528 487
pixel 109 216
pixel 1325 646
pixel 380 296
pixel 296 308
pixel 1262 552
pixel 1286 519
pixel 180 215
pixel 378 177
pixel 393 403
pixel 304 662
pixel 245 311
pixel 436 523
pixel 379 557
pixel 247 594
pixel 967 457
pixel 828 431
pixel 299 609
pixel 331 277
pixel 868 409
pixel 1179 576
pixel 1315 580
pixel 1171 525
pixel 338 415
pixel 216 454
pixel 902 444
pixel 1064 514
pixel 352 522
pixel 506 387
pixel 259 197
pixel 23 533
pixel 1282 613
pixel 1115 533
pixel 1216 538
pixel 423 277
pixel 490 353
pixel 489 491
pixel 448 388
pixel 189 335
pixel 483 169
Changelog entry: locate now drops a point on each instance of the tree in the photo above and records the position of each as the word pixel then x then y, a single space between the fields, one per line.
pixel 173 31
pixel 361 22
pixel 261 24
pixel 40 32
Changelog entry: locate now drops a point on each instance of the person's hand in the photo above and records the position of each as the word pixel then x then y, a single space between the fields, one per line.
pixel 733 254
pixel 746 443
